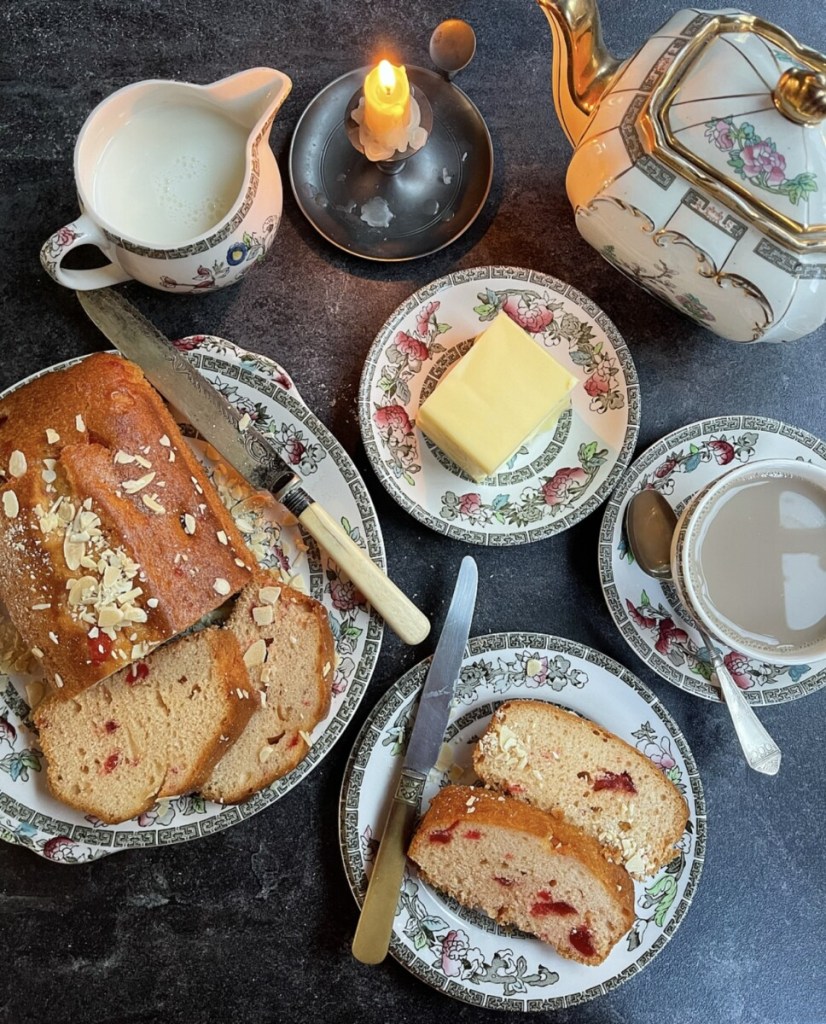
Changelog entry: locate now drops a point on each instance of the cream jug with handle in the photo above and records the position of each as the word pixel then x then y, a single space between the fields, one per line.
pixel 177 184
pixel 699 168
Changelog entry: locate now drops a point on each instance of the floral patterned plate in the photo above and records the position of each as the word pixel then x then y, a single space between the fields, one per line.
pixel 558 477
pixel 461 952
pixel 648 613
pixel 29 815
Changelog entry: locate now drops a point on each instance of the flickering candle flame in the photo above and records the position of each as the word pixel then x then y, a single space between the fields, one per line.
pixel 386 101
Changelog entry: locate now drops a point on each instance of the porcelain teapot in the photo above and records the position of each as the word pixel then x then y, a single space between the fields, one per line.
pixel 699 168
pixel 177 184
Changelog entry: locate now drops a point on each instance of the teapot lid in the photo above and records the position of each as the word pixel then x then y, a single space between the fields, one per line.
pixel 742 112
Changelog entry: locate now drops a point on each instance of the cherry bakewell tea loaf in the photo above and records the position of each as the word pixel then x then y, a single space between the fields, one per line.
pixel 152 730
pixel 112 540
pixel 289 652
pixel 523 867
pixel 567 765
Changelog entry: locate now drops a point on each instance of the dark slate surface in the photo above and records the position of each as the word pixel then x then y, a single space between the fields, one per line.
pixel 254 924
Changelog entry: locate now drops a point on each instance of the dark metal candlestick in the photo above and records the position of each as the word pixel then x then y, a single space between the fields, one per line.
pixel 373 211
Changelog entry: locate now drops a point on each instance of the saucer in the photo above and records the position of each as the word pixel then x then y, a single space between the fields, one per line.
pixel 647 612
pixel 558 477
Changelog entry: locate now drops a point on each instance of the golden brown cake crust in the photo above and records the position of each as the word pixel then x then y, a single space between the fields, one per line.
pixel 98 441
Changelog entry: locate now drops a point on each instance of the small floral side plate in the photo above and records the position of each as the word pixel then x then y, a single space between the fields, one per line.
pixel 29 815
pixel 461 952
pixel 554 480
pixel 648 613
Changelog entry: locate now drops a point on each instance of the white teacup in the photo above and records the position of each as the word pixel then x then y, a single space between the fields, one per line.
pixel 749 560
pixel 177 183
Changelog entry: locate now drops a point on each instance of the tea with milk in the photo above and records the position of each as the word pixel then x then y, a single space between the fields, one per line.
pixel 169 174
pixel 762 559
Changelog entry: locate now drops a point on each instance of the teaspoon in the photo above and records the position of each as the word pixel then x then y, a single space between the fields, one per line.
pixel 650 523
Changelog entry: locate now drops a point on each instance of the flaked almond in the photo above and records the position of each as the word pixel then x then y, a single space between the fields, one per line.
pixel 222 537
pixel 123 458
pixel 142 462
pixel 244 422
pixel 152 503
pixel 133 486
pixel 189 523
pixel 269 595
pixel 73 552
pixel 164 440
pixel 52 436
pixel 40 607
pixel 17 463
pixel 58 680
pixel 265 753
pixel 263 615
pixel 11 506
pixel 110 616
pixel 152 602
pixel 221 586
pixel 256 654
pixel 79 424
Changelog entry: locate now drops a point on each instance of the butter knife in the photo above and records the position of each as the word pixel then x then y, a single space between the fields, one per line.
pixel 249 451
pixel 372 938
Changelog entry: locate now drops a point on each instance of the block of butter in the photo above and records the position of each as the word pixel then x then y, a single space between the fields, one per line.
pixel 501 393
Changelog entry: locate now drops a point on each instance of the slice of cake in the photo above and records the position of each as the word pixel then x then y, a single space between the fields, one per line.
pixel 288 648
pixel 522 867
pixel 501 393
pixel 152 730
pixel 569 766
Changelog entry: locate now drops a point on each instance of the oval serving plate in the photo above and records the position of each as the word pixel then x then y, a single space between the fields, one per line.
pixel 558 477
pixel 463 953
pixel 647 612
pixel 29 815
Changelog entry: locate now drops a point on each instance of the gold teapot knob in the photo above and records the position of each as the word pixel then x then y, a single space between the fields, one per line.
pixel 800 95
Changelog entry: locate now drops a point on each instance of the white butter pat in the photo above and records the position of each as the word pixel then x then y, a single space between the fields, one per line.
pixel 500 394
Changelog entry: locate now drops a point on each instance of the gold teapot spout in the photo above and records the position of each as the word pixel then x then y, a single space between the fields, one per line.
pixel 583 68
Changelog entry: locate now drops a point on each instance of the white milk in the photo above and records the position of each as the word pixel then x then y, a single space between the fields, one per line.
pixel 170 174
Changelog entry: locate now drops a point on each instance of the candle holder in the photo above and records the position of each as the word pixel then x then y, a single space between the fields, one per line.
pixel 395 163
pixel 372 209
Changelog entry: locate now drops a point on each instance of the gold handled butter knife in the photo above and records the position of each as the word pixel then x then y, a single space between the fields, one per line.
pixel 249 451
pixel 375 925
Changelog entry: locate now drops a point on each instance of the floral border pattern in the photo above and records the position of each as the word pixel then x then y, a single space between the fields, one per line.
pixel 483 963
pixel 387 419
pixel 73 839
pixel 647 614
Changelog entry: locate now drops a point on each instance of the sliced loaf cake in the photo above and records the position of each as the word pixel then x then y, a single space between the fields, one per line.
pixel 152 730
pixel 569 766
pixel 523 867
pixel 289 652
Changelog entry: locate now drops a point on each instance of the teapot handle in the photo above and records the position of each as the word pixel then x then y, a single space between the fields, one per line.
pixel 82 231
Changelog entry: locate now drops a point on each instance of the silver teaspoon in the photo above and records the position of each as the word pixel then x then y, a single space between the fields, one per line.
pixel 650 523
pixel 452 46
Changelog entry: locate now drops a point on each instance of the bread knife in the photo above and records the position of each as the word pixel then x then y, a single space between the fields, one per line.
pixel 372 938
pixel 248 450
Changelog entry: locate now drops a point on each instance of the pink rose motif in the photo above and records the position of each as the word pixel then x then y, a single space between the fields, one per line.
pixel 393 417
pixel 645 621
pixel 344 595
pixel 190 343
pixel 663 757
pixel 66 236
pixel 294 450
pixel 530 313
pixel 667 467
pixel 762 159
pixel 596 385
pixel 411 347
pixel 424 316
pixel 454 947
pixel 738 666
pixel 723 452
pixel 469 504
pixel 59 849
pixel 669 636
pixel 721 135
pixel 563 485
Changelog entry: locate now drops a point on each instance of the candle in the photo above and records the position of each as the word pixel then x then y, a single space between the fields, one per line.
pixel 386 101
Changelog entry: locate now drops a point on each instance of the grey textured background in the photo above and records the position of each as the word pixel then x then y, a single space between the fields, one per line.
pixel 254 924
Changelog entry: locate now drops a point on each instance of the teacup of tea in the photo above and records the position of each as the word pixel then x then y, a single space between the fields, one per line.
pixel 749 560
pixel 177 184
